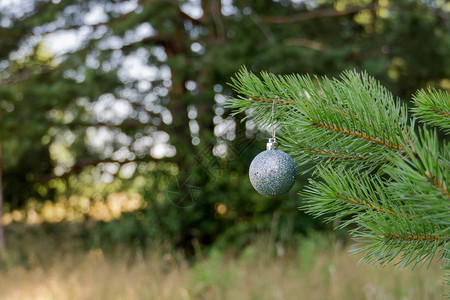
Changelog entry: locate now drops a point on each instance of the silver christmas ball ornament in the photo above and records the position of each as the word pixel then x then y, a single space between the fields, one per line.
pixel 272 172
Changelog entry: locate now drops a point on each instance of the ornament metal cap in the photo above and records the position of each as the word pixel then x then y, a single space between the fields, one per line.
pixel 272 144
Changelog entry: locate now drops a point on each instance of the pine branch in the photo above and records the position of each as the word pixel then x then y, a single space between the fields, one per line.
pixel 433 108
pixel 356 192
pixel 384 223
pixel 439 185
pixel 375 172
pixel 415 237
pixel 410 251
pixel 360 135
pixel 423 181
pixel 385 240
pixel 330 154
pixel 353 119
pixel 372 206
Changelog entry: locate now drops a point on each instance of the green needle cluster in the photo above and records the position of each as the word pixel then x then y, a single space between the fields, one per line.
pixel 375 168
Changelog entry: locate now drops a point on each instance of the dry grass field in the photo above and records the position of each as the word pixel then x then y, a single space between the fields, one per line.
pixel 317 268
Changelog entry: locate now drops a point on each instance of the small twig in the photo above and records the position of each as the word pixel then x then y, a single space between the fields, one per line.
pixel 305 43
pixel 268 100
pixel 316 14
pixel 263 27
pixel 325 152
pixel 378 208
pixel 215 11
pixel 439 112
pixel 433 180
pixel 359 135
pixel 415 237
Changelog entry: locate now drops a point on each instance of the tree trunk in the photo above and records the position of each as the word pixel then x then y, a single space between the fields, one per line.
pixel 2 235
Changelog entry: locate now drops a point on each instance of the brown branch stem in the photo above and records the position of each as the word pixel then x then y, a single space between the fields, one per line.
pixel 316 14
pixel 358 135
pixel 325 152
pixel 435 182
pixel 439 112
pixel 370 205
pixel 415 237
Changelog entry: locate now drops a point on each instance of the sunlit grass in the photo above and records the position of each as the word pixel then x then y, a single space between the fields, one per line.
pixel 316 268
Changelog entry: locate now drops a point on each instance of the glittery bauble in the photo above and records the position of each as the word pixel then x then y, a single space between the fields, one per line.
pixel 272 172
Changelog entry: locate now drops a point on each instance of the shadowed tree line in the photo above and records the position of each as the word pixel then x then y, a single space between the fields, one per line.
pixel 104 96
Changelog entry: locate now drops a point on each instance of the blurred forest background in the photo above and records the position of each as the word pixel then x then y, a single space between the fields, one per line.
pixel 114 135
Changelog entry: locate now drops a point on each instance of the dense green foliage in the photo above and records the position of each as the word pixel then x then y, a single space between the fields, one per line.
pixel 373 172
pixel 93 91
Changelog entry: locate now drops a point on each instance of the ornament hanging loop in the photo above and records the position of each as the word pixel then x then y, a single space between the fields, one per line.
pixel 272 144
pixel 273 119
